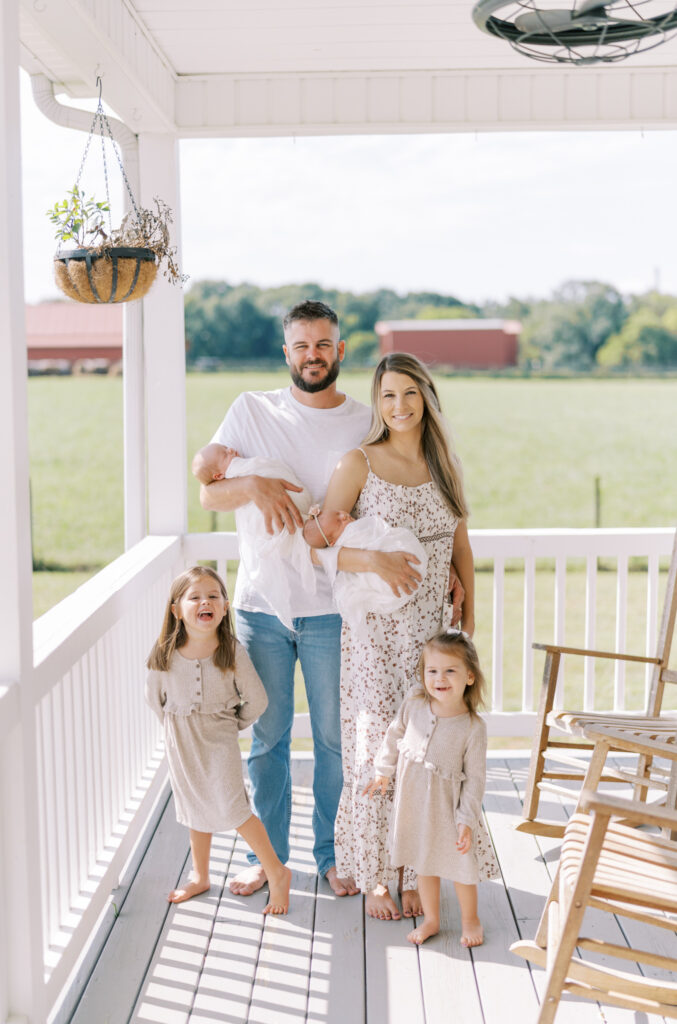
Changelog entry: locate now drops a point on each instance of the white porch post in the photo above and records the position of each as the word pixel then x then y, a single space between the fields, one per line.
pixel 21 984
pixel 164 354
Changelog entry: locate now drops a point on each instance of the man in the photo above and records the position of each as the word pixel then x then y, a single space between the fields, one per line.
pixel 309 426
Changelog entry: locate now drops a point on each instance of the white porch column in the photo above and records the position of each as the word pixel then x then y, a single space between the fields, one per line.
pixel 21 983
pixel 164 354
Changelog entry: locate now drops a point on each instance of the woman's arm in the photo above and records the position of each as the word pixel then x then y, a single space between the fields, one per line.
pixel 464 566
pixel 397 568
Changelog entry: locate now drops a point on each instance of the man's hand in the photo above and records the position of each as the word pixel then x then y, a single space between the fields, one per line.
pixel 271 497
pixel 455 593
pixel 397 568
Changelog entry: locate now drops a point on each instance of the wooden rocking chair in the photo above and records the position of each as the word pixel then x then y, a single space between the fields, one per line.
pixel 628 872
pixel 572 724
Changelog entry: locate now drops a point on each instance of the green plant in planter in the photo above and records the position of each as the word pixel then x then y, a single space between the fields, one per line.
pixel 78 219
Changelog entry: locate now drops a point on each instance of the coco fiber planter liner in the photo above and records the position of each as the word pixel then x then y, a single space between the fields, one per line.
pixel 114 275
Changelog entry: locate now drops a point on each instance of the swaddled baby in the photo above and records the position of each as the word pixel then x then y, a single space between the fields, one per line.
pixel 262 553
pixel 357 593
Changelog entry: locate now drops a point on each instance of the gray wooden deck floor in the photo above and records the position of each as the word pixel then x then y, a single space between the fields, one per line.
pixel 217 959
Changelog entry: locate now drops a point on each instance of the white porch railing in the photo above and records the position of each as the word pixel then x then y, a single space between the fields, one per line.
pixel 98 772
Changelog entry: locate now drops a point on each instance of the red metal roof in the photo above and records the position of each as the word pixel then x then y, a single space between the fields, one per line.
pixel 58 325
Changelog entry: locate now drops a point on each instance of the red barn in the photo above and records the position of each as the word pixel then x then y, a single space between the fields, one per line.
pixel 467 344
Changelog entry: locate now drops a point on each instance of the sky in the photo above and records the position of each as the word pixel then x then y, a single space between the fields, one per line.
pixel 478 216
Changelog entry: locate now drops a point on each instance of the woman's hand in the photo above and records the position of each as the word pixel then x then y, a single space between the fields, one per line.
pixel 464 838
pixel 455 595
pixel 380 782
pixel 398 569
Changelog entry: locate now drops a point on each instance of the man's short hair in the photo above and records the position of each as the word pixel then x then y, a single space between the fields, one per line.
pixel 310 309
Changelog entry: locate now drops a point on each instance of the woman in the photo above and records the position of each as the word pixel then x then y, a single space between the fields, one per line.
pixel 406 473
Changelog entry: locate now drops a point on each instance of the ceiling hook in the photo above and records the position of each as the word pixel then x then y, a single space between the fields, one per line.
pixel 99 83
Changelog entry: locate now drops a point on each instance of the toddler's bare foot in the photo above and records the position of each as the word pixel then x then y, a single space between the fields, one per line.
pixel 424 931
pixel 411 903
pixel 187 891
pixel 248 881
pixel 278 901
pixel 341 886
pixel 472 933
pixel 380 904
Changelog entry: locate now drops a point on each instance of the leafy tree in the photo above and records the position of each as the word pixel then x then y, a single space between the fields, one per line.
pixel 569 330
pixel 647 338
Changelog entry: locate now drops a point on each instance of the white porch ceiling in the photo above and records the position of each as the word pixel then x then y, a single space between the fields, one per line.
pixel 281 67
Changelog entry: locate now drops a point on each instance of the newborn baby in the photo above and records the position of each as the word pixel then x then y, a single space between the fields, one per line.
pixel 358 593
pixel 263 553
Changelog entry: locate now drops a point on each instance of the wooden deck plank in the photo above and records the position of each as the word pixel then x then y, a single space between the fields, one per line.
pixel 335 997
pixel 447 971
pixel 173 977
pixel 119 973
pixel 225 987
pixel 393 986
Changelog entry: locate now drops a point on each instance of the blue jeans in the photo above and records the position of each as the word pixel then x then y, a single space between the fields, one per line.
pixel 315 641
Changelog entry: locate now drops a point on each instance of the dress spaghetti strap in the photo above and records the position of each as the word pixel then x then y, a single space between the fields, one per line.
pixel 366 458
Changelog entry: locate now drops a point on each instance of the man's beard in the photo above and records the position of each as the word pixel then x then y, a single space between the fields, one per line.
pixel 319 385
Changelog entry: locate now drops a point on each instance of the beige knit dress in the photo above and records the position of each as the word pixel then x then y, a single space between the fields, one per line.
pixel 202 708
pixel 441 773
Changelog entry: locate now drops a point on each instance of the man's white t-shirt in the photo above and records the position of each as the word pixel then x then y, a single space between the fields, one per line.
pixel 310 441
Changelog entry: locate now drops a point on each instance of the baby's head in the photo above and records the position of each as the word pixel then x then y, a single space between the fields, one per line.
pixel 212 462
pixel 323 529
pixel 450 645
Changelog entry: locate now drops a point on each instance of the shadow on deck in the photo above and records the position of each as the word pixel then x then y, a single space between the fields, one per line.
pixel 216 958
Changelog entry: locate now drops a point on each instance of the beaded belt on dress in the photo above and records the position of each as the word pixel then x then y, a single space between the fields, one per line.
pixel 436 536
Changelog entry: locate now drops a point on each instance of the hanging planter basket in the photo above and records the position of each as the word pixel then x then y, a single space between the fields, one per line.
pixel 118 264
pixel 113 275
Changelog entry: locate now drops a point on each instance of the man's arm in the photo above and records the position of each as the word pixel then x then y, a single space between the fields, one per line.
pixel 271 497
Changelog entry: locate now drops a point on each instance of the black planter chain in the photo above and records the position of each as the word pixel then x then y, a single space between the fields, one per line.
pixel 101 125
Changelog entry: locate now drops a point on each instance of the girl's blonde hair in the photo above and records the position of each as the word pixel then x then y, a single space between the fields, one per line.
pixel 173 634
pixel 444 466
pixel 456 642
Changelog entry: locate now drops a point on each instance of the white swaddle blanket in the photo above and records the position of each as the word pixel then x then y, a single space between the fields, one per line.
pixel 357 593
pixel 264 554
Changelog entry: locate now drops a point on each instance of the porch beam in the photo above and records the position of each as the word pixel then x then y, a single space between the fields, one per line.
pixel 21 984
pixel 394 102
pixel 110 41
pixel 164 354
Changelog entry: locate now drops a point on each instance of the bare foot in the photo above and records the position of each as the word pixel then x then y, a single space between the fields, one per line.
pixel 187 891
pixel 472 933
pixel 411 903
pixel 248 881
pixel 380 904
pixel 423 932
pixel 341 886
pixel 278 900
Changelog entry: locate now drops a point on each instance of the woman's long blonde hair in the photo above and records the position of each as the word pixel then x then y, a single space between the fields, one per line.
pixel 173 634
pixel 444 466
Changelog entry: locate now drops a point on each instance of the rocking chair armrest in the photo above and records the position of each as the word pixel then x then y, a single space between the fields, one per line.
pixel 628 739
pixel 615 656
pixel 630 810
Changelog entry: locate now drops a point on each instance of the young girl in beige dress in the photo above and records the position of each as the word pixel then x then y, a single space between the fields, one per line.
pixel 436 749
pixel 204 689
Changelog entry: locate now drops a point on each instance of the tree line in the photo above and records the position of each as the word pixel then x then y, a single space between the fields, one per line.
pixel 582 326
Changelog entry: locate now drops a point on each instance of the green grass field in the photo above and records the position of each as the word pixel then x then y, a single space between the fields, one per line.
pixel 531 451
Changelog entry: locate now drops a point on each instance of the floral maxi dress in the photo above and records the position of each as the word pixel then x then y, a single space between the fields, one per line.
pixel 376 675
